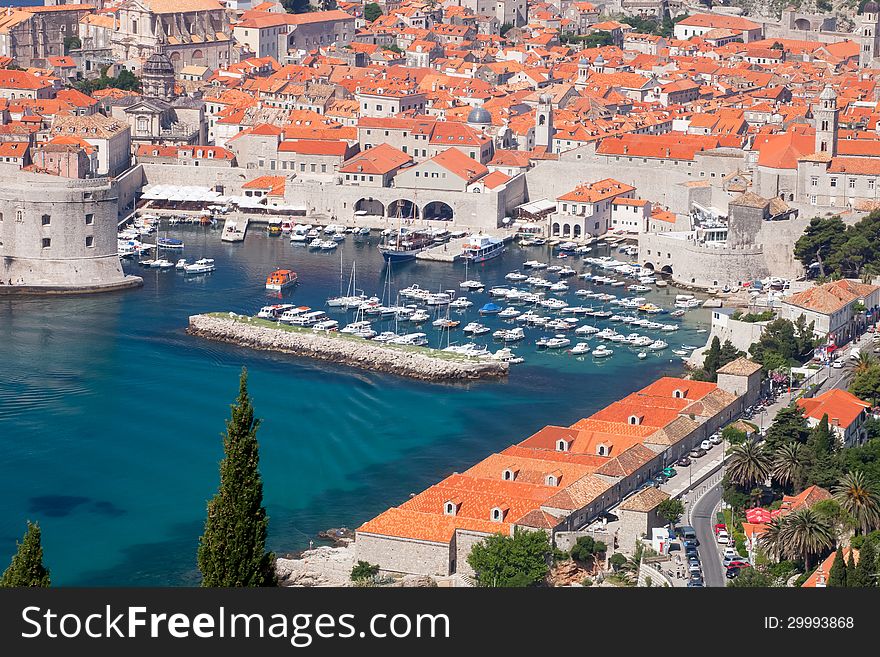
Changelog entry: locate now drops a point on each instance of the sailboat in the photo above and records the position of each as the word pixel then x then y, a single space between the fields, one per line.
pixel 404 243
pixel 468 284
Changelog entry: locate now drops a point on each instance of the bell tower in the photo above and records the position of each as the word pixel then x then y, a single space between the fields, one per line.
pixel 868 33
pixel 825 114
pixel 544 123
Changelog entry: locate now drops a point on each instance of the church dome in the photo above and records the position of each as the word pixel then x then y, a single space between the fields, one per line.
pixel 158 65
pixel 871 7
pixel 479 116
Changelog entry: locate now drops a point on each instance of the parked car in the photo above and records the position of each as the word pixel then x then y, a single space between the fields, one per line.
pixel 731 558
pixel 661 478
pixel 683 462
pixel 695 568
pixel 716 439
pixel 838 364
pixel 718 527
pixel 731 573
pixel 688 533
pixel 669 472
pixel 695 584
pixel 690 552
pixel 706 445
pixel 722 537
pixel 694 561
pixel 697 453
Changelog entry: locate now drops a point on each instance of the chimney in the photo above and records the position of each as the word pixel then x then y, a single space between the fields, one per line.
pixel 625 149
pixel 835 421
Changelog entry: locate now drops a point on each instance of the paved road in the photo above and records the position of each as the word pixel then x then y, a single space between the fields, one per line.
pixel 703 519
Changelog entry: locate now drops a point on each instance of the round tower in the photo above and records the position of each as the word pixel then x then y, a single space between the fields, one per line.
pixel 157 76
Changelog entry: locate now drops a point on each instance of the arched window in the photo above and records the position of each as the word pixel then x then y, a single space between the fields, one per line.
pixel 508 475
pixel 678 394
pixel 601 449
pixel 497 514
pixel 551 480
pixel 449 508
pixel 635 419
pixel 542 119
pixel 561 445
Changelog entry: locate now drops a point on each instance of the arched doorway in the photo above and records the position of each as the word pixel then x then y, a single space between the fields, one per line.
pixel 648 266
pixel 403 208
pixel 802 24
pixel 577 231
pixel 566 230
pixel 667 270
pixel 369 206
pixel 555 229
pixel 437 211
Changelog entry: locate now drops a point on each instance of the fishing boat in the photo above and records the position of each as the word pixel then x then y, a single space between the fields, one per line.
pixel 680 352
pixel 602 351
pixel 580 348
pixel 642 355
pixel 384 336
pixel 490 309
pixel 328 245
pixel 281 279
pixel 677 313
pixel 534 264
pixel 403 244
pixel 200 266
pixel 481 248
pixel 274 227
pixel 356 327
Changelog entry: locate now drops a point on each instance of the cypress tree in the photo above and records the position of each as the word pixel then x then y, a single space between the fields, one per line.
pixel 713 358
pixel 821 439
pixel 837 575
pixel 26 568
pixel 852 573
pixel 865 570
pixel 232 551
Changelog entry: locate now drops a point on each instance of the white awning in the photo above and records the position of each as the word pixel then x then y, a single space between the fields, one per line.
pixel 536 207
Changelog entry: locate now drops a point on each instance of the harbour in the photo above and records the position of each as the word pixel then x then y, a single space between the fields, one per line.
pixel 114 380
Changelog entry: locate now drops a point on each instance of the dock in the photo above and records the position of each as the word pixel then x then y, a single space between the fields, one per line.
pixel 421 363
pixel 451 251
pixel 234 229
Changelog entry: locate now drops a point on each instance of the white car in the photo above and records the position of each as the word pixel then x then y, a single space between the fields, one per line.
pixel 716 438
pixel 730 551
pixel 838 364
pixel 723 537
pixel 706 444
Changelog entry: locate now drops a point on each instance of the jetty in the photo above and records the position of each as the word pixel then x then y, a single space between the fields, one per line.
pixel 451 251
pixel 414 362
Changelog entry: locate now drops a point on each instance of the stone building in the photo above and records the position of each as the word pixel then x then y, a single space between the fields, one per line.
pixel 191 32
pixel 58 235
pixel 110 137
pixel 30 35
pixel 741 377
pixel 638 515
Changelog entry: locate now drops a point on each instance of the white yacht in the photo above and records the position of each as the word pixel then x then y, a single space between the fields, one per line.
pixel 461 302
pixel 657 345
pixel 580 348
pixel 515 276
pixel 509 335
pixel 556 342
pixel 475 328
pixel 602 351
pixel 200 266
pixel 509 313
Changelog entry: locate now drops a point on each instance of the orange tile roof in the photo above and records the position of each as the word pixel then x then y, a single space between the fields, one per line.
pixel 830 297
pixel 14 149
pixel 860 166
pixel 842 407
pixel 808 497
pixel 646 414
pixel 719 21
pixel 275 184
pixel 597 191
pixel 782 151
pixel 314 147
pixel 380 160
pixel 455 161
pixel 431 527
pixel 823 571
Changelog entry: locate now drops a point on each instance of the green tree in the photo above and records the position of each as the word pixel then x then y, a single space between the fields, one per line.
pixel 751 578
pixel 771 540
pixel 26 568
pixel 72 43
pixel 790 462
pixel 821 439
pixel 822 238
pixel 866 569
pixel 837 575
pixel 712 361
pixel 505 28
pixel 511 561
pixel 789 425
pixel 805 534
pixel 853 577
pixel 586 548
pixel 733 436
pixel 748 464
pixel 372 11
pixel 866 385
pixel 296 6
pixel 793 342
pixel 671 510
pixel 617 561
pixel 859 498
pixel 363 570
pixel 865 362
pixel 232 551
pixel 728 354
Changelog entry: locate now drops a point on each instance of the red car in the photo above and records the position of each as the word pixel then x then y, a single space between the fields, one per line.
pixel 719 527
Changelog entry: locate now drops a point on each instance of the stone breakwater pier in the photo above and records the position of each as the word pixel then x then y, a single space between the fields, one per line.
pixel 413 362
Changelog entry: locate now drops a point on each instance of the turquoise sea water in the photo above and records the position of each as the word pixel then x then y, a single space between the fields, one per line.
pixel 110 416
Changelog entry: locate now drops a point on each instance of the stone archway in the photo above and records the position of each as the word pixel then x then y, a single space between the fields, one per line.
pixel 555 229
pixel 566 230
pixel 667 269
pixel 649 266
pixel 370 206
pixel 438 211
pixel 803 25
pixel 403 208
pixel 577 231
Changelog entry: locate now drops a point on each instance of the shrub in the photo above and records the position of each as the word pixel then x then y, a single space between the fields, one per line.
pixel 363 571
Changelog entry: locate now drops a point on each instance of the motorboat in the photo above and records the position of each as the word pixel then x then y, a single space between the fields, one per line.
pixel 602 351
pixel 446 323
pixel 170 243
pixel 580 348
pixel 419 316
pixel 642 355
pixel 356 327
pixel 180 264
pixel 471 285
pixel 559 287
pixel 309 318
pixel 638 288
pixel 509 313
pixel 411 339
pixel 403 244
pixel 200 266
pixel 680 352
pixel 677 313
pixel 586 329
pixel 326 326
pixel 290 314
pixel 384 336
pixel 162 263
pixel 553 304
pixel 482 248
pixel 657 345
pixel 490 309
pixel 509 335
pixel 328 245
pixel 556 342
pixel 280 279
pixel 506 355
pixel 461 302
pixel 439 299
pixel 316 243
pixel 475 328
pixel 274 311
pixel 499 291
pixel 470 350
pixel 515 276
pixel 350 301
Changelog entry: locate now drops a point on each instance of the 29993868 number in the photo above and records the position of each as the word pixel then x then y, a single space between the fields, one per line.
pixel 819 622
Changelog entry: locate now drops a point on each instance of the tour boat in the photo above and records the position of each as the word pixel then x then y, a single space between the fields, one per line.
pixel 403 244
pixel 281 279
pixel 586 330
pixel 602 351
pixel 290 314
pixel 309 318
pixel 476 328
pixel 326 326
pixel 481 248
pixel 580 348
pixel 274 311
pixel 445 323
pixel 356 327
pixel 170 243
pixel 384 336
pixel 200 266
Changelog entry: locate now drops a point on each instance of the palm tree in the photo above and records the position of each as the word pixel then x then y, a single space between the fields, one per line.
pixel 749 464
pixel 789 463
pixel 770 540
pixel 805 533
pixel 860 499
pixel 865 362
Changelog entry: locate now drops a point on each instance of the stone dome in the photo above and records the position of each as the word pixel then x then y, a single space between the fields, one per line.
pixel 158 65
pixel 871 7
pixel 828 93
pixel 479 116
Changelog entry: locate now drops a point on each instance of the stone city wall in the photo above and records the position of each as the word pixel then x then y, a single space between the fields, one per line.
pixel 402 555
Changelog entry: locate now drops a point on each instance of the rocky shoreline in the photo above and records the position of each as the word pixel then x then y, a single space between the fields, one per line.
pixel 413 362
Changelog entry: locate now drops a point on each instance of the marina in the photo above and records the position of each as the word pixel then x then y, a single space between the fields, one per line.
pixel 94 366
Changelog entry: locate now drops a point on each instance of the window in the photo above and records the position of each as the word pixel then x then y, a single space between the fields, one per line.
pixel 90 219
pixel 508 475
pixel 870 183
pixel 678 394
pixel 449 508
pixel 852 183
pixel 561 445
pixel 551 480
pixel 497 514
pixel 46 242
pixel 601 449
pixel 813 200
pixel 833 181
pixel 814 181
pixel 90 241
pixel 635 419
pixel 46 220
